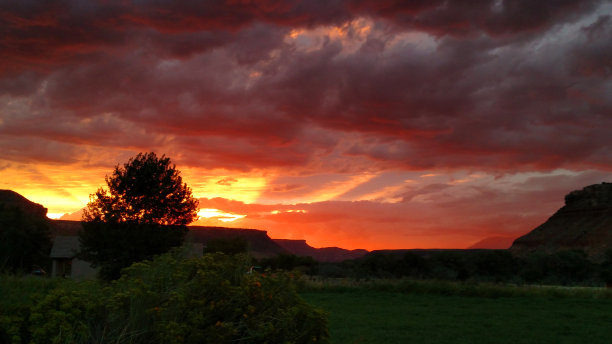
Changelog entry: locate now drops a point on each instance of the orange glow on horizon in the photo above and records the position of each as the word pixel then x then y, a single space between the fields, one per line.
pixel 219 215
pixel 59 188
pixel 343 210
pixel 238 187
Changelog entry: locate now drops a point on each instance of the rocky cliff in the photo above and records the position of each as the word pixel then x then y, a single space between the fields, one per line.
pixel 260 244
pixel 584 222
pixel 325 254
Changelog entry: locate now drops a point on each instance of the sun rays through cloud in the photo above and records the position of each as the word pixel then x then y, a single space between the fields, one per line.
pixel 360 124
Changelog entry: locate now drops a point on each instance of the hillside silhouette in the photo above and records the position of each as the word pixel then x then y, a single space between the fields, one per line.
pixel 583 223
pixel 11 198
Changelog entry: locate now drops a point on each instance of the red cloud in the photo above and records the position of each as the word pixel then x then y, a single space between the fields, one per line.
pixel 292 89
pixel 434 215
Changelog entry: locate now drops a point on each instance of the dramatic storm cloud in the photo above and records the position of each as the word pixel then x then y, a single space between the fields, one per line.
pixel 375 124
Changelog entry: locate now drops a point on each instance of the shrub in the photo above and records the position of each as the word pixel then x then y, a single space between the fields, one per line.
pixel 291 262
pixel 169 299
pixel 212 299
pixel 71 313
pixel 18 295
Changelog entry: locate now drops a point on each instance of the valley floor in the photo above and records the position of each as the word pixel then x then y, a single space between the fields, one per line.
pixel 369 316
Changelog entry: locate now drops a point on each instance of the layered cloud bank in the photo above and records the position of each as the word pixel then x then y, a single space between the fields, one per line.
pixel 350 123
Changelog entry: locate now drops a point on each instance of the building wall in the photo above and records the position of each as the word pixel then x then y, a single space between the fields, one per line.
pixel 82 270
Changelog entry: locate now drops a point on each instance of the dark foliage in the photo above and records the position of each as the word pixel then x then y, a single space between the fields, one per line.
pixel 171 299
pixel 25 240
pixel 571 267
pixel 146 189
pixel 143 213
pixel 563 267
pixel 289 262
pixel 606 269
pixel 114 246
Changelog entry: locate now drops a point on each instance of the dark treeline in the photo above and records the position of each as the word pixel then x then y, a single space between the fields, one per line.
pixel 571 267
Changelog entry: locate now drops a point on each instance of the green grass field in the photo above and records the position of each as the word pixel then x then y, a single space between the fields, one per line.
pixel 369 316
pixel 383 311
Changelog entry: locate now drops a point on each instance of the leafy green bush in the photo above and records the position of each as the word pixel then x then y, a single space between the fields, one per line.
pixel 12 326
pixel 71 313
pixel 18 295
pixel 212 300
pixel 170 299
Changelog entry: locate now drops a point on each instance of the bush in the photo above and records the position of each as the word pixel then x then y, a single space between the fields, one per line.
pixel 213 300
pixel 18 295
pixel 71 313
pixel 169 299
pixel 291 262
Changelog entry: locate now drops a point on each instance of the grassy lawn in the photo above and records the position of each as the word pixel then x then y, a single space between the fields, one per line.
pixel 366 316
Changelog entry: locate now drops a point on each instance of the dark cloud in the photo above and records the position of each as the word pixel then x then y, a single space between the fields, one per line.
pixel 489 85
pixel 374 124
pixel 468 18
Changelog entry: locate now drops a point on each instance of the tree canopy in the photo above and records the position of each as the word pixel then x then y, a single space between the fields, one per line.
pixel 25 240
pixel 147 189
pixel 144 212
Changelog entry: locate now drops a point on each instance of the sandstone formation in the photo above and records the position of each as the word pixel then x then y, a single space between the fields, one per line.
pixel 325 254
pixel 493 243
pixel 585 222
pixel 260 244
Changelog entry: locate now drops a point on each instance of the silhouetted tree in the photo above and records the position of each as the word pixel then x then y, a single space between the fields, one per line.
pixel 289 262
pixel 562 267
pixel 606 269
pixel 24 240
pixel 144 212
pixel 146 189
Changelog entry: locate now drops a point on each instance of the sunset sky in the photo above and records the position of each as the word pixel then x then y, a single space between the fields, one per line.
pixel 359 124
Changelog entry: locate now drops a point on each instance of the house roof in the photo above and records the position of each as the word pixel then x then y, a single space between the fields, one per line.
pixel 65 247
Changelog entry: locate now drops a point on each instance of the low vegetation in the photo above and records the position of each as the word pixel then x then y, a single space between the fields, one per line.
pixel 170 299
pixel 437 287
pixel 566 268
pixel 213 299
